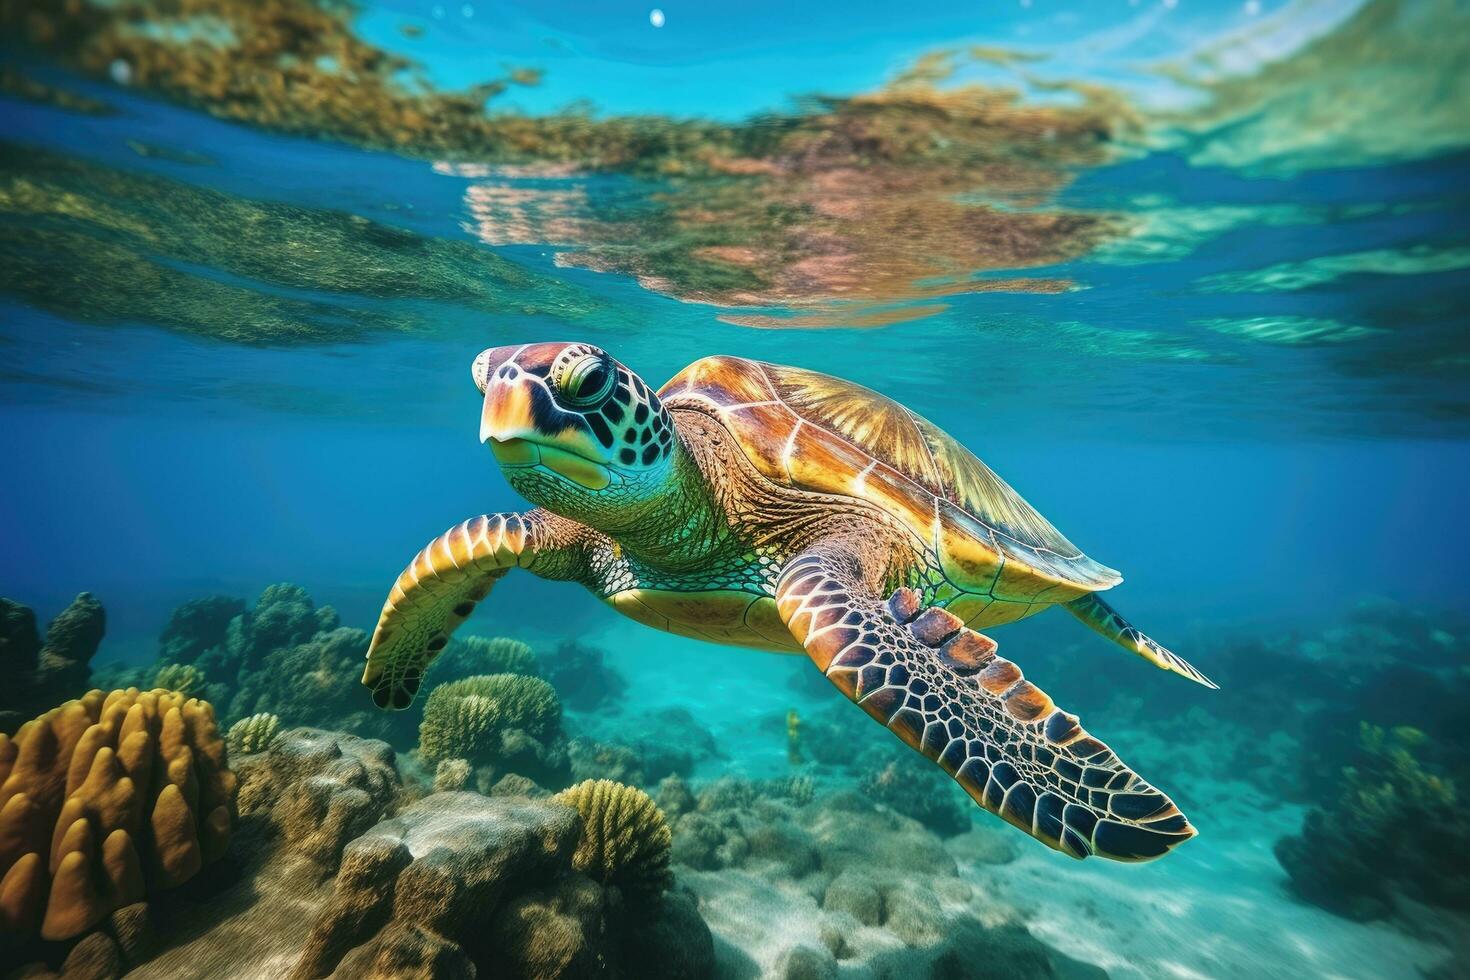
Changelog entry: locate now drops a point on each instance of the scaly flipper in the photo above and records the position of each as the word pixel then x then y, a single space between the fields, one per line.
pixel 941 689
pixel 1105 620
pixel 440 587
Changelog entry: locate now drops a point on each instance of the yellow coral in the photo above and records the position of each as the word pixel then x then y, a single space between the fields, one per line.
pixel 103 799
pixel 625 839
pixel 253 734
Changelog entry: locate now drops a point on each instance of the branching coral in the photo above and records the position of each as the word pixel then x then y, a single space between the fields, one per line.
pixel 105 799
pixel 625 840
pixel 253 734
pixel 464 718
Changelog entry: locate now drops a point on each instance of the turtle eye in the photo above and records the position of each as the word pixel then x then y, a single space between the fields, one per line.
pixel 585 380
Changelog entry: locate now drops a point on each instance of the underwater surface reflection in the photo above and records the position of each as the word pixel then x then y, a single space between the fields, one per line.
pixel 1190 276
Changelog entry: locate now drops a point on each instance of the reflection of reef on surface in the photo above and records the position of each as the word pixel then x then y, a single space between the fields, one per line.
pixel 130 239
pixel 900 194
pixel 1314 109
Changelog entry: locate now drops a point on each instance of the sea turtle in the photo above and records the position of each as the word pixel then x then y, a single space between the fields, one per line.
pixel 778 508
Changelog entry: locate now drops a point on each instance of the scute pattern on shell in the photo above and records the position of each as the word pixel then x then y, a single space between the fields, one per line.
pixel 813 431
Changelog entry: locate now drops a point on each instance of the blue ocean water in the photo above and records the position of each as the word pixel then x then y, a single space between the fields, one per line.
pixel 1250 396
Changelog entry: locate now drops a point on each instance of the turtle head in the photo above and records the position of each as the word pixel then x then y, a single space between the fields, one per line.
pixel 573 429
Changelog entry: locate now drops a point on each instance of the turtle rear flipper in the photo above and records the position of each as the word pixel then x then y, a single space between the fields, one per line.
pixel 940 688
pixel 1104 619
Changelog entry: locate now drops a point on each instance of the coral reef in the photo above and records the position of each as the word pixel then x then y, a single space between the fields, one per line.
pixel 509 722
pixel 287 656
pixel 103 801
pixel 253 734
pixel 458 884
pixel 1392 831
pixel 841 886
pixel 645 746
pixel 197 626
pixel 625 840
pixel 919 791
pixel 185 679
pixel 580 677
pixel 468 656
pixel 40 674
pixel 451 774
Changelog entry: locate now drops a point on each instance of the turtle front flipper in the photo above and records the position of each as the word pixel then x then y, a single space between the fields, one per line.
pixel 441 586
pixel 941 688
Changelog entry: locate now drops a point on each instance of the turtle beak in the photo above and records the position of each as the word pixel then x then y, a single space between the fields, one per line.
pixel 509 426
pixel 506 413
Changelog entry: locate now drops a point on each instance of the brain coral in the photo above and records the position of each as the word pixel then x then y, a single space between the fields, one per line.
pixel 625 840
pixel 465 718
pixel 104 799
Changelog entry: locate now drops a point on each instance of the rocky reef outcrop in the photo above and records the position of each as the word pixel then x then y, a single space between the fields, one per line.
pixel 42 673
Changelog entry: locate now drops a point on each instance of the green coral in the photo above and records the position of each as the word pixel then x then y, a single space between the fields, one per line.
pixel 625 840
pixel 470 718
pixel 186 679
pixel 253 734
pixel 470 656
pixel 1394 829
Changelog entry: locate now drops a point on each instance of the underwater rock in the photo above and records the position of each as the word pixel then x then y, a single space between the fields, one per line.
pixel 878 896
pixel 508 722
pixel 1392 831
pixel 254 734
pixel 624 840
pixel 580 677
pixel 128 793
pixel 451 774
pixel 43 674
pixel 197 626
pixel 317 790
pixel 458 884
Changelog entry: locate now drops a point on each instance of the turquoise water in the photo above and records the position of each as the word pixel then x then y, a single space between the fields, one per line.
pixel 1247 389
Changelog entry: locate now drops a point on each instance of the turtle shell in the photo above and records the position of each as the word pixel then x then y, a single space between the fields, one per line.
pixel 815 432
